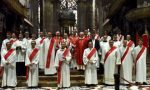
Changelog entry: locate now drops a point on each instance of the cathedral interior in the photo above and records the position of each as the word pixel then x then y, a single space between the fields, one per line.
pixel 129 16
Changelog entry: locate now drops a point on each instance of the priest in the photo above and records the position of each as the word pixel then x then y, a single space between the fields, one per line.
pixel 80 46
pixel 40 44
pixel 49 48
pixel 126 62
pixel 140 53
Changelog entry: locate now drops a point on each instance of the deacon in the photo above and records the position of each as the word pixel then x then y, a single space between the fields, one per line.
pixel 8 57
pixel 40 44
pixel 120 37
pixel 110 58
pixel 62 60
pixel 96 45
pixel 90 60
pixel 126 62
pixel 130 43
pixel 140 53
pixel 32 60
pixel 49 48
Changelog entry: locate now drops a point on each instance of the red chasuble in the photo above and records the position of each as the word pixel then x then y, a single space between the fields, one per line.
pixel 80 46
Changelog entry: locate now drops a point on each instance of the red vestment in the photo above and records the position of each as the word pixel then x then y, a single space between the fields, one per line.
pixel 80 46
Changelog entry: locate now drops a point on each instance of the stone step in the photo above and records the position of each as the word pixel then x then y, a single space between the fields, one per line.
pixel 54 83
pixel 72 72
pixel 54 78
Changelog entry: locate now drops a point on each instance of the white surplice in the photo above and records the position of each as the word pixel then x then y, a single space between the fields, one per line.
pixel 90 69
pixel 51 70
pixel 33 78
pixel 140 64
pixel 42 52
pixel 117 44
pixel 127 64
pixel 4 44
pixel 9 74
pixel 110 65
pixel 65 69
pixel 21 53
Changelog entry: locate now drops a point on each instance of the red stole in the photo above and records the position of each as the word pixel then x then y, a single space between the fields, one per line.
pixel 32 55
pixel 92 52
pixel 8 53
pixel 130 43
pixel 49 53
pixel 140 53
pixel 12 41
pixel 108 53
pixel 125 54
pixel 60 65
pixel 120 38
pixel 41 41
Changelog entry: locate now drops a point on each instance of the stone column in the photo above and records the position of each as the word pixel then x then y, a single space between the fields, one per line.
pixel 34 15
pixel 48 16
pixel 81 11
pixel 56 8
pixel 89 15
pixel 100 17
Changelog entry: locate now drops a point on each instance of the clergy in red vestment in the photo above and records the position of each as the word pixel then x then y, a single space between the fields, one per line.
pixel 73 39
pixel 80 46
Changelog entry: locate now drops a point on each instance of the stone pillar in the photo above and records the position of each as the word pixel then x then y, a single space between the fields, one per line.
pixel 56 8
pixel 34 15
pixel 89 15
pixel 100 17
pixel 81 11
pixel 48 16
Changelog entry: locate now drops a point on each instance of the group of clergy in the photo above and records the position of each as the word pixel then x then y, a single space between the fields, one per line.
pixel 86 51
